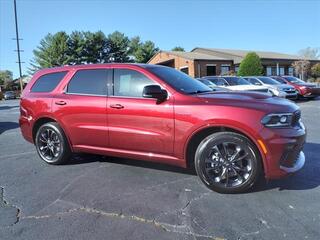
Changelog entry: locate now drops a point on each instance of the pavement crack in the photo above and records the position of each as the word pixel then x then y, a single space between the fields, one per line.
pixel 180 229
pixel 5 204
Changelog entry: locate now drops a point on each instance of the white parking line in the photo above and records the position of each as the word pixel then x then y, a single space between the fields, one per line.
pixel 17 154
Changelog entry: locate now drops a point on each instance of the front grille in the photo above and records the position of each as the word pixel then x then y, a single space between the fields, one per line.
pixel 260 90
pixel 290 91
pixel 296 118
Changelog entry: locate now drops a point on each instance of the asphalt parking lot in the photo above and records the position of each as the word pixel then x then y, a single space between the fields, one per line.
pixel 95 197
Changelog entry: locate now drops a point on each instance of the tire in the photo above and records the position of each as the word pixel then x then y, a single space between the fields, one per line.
pixel 51 144
pixel 233 170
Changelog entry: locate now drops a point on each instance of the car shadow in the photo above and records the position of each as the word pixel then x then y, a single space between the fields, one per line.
pixel 81 158
pixel 8 107
pixel 5 126
pixel 307 178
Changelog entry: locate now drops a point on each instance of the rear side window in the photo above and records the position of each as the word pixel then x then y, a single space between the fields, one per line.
pixel 48 82
pixel 90 81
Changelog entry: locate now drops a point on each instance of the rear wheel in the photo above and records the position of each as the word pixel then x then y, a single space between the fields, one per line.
pixel 51 144
pixel 228 162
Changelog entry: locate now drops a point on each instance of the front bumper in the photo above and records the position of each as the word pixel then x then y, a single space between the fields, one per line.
pixel 284 151
pixel 299 163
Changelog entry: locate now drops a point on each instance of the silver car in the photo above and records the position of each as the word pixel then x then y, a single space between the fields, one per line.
pixel 278 89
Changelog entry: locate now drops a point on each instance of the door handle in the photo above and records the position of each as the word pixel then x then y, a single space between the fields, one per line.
pixel 60 103
pixel 117 106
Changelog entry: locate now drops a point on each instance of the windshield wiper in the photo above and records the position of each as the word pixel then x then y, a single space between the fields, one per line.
pixel 200 91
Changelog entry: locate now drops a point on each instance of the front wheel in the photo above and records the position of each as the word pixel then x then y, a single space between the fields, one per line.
pixel 228 162
pixel 52 144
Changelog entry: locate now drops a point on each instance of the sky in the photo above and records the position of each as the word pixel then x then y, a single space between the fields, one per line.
pixel 271 25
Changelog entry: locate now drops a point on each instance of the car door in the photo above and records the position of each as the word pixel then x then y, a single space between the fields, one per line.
pixel 137 123
pixel 81 108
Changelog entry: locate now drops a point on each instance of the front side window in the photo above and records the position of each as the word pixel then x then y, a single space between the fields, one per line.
pixel 48 82
pixel 89 81
pixel 130 83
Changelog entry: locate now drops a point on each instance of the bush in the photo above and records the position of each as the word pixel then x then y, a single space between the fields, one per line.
pixel 251 65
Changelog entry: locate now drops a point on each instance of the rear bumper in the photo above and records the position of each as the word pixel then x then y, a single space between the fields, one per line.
pixel 26 128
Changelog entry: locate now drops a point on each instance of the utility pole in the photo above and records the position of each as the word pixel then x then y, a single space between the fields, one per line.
pixel 18 45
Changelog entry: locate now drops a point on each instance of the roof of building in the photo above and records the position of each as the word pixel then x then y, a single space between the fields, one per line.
pixel 195 55
pixel 243 53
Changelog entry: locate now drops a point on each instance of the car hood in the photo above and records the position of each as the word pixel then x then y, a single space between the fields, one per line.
pixel 246 99
pixel 246 87
pixel 283 87
pixel 306 84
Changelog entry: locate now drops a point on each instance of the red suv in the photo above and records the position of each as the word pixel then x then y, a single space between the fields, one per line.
pixel 307 90
pixel 157 113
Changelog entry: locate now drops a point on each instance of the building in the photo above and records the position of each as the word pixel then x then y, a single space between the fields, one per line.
pixel 212 61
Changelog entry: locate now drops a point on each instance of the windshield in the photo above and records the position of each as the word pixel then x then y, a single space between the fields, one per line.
pixel 179 80
pixel 233 81
pixel 294 79
pixel 268 80
pixel 279 79
pixel 207 82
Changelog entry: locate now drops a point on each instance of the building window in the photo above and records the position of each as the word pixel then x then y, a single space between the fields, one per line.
pixel 211 70
pixel 224 69
pixel 290 71
pixel 281 71
pixel 185 70
pixel 271 71
pixel 236 69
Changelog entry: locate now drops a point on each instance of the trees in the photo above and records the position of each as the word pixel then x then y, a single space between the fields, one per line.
pixel 118 47
pixel 251 65
pixel 178 49
pixel 315 70
pixel 145 51
pixel 5 77
pixel 90 47
pixel 309 53
pixel 52 51
pixel 301 67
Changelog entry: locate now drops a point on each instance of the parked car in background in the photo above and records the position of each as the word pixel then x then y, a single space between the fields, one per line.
pixel 156 113
pixel 236 84
pixel 9 95
pixel 305 90
pixel 211 85
pixel 278 89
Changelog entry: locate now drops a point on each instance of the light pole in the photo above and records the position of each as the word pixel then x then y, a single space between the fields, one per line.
pixel 18 46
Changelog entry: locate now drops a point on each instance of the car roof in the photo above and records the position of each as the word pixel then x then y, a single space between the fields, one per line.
pixel 98 65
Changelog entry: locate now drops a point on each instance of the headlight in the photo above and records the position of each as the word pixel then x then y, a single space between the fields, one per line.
pixel 277 120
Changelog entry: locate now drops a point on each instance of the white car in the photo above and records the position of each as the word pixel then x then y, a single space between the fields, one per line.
pixel 236 84
pixel 274 86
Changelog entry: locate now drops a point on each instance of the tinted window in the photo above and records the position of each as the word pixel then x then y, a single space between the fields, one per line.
pixel 253 81
pixel 91 81
pixel 279 79
pixel 130 83
pixel 236 81
pixel 268 80
pixel 178 80
pixel 48 82
pixel 293 79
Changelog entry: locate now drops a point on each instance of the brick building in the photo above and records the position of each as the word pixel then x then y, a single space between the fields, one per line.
pixel 211 61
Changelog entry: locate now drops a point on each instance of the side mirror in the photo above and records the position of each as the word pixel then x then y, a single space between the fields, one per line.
pixel 155 91
pixel 257 83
